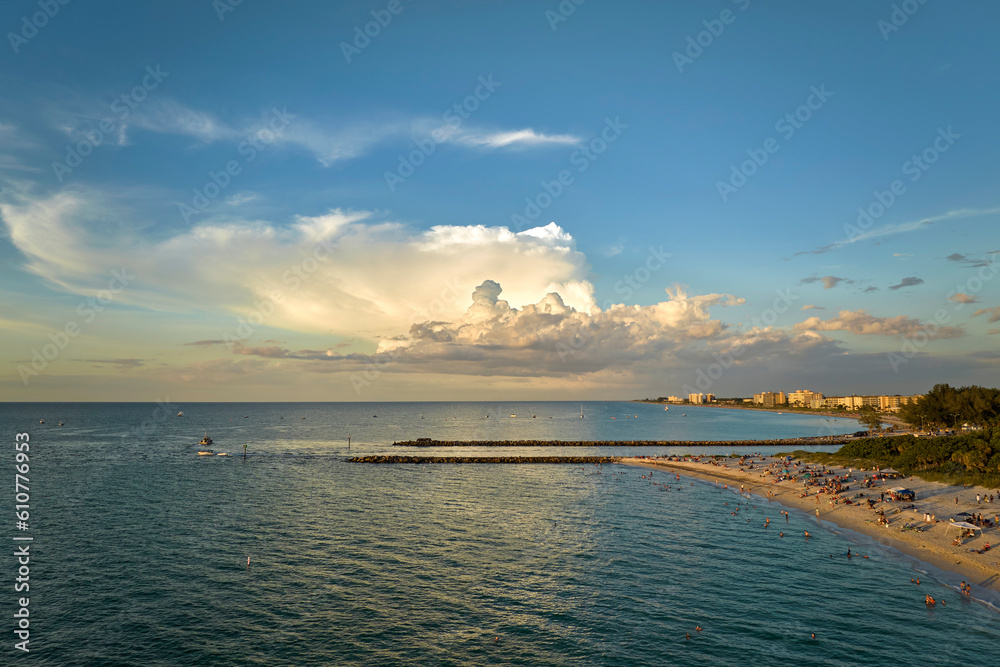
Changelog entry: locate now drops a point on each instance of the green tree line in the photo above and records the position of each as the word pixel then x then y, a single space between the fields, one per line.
pixel 970 458
pixel 946 406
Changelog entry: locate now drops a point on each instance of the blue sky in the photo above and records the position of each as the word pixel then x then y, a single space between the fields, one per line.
pixel 210 201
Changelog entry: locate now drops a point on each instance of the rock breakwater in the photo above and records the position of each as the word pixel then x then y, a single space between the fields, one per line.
pixel 483 459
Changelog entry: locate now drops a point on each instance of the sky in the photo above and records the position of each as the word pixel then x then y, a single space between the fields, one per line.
pixel 482 200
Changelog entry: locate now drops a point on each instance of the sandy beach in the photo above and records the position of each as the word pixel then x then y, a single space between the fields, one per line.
pixel 906 530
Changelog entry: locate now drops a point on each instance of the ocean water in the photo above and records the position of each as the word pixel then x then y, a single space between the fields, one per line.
pixel 140 547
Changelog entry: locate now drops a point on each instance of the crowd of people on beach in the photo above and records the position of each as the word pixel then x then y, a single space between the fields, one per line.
pixel 835 485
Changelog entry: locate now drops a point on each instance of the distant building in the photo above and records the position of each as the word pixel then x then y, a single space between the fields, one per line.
pixel 894 403
pixel 804 397
pixel 770 399
pixel 882 403
pixel 849 402
pixel 816 400
pixel 674 399
pixel 696 399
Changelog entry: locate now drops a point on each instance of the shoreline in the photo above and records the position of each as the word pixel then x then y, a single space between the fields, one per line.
pixel 787 410
pixel 930 543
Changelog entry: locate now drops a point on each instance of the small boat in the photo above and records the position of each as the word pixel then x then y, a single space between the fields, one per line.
pixel 581 412
pixel 205 441
pixel 666 407
pixel 532 416
pixel 683 415
pixel 180 414
pixel 205 454
pixel 222 454
pixel 41 421
pixel 513 415
pixel 60 423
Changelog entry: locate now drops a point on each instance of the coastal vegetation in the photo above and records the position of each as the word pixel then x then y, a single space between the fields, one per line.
pixel 869 417
pixel 947 406
pixel 970 458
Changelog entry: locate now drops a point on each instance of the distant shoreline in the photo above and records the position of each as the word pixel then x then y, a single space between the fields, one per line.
pixel 785 409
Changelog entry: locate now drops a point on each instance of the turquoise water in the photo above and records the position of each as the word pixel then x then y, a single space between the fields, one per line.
pixel 140 550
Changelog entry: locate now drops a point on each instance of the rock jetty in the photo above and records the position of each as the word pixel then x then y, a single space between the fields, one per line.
pixel 483 459
pixel 427 442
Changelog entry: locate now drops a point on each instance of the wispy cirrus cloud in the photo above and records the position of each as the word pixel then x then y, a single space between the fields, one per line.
pixel 171 117
pixel 330 142
pixel 900 228
pixel 520 138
